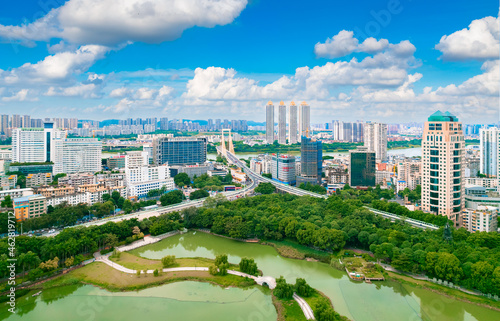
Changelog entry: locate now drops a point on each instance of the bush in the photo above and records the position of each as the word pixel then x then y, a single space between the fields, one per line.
pixel 213 270
pixel 156 273
pixel 283 290
pixel 219 259
pixel 302 288
pixel 168 260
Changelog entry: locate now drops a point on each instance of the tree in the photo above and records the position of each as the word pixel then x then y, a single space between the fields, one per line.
pixel 283 290
pixel 138 273
pixel 265 188
pixel 220 259
pixel 106 197
pixel 115 196
pixel 182 179
pixel 127 206
pixel 69 262
pixel 173 197
pixel 7 202
pixel 136 230
pixel 248 266
pixel 156 273
pixel 201 193
pixel 447 236
pixel 448 267
pixel 55 180
pixel 302 288
pixel 168 260
pixel 324 312
pixel 110 240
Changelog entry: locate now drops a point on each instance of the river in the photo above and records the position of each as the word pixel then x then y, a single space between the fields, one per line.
pixel 408 152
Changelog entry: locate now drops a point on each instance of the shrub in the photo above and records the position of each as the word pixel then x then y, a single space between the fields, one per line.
pixel 156 273
pixel 168 260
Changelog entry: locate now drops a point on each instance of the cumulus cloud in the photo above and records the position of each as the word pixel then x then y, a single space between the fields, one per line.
pixel 83 90
pixel 344 43
pixel 56 68
pixel 150 21
pixel 21 95
pixel 480 41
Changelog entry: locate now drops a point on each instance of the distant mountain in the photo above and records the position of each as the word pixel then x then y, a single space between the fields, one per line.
pixel 108 122
pixel 254 123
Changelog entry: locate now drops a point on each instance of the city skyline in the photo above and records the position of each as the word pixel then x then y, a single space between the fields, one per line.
pixel 384 61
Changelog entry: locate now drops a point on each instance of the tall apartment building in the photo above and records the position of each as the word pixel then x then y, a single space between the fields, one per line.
pixel 375 139
pixel 77 155
pixel 443 147
pixel 482 219
pixel 292 123
pixel 311 161
pixel 142 177
pixel 270 122
pixel 304 119
pixel 15 121
pixel 4 124
pixel 179 150
pixel 283 168
pixel 26 121
pixel 282 123
pixel 362 167
pixel 489 148
pixel 410 172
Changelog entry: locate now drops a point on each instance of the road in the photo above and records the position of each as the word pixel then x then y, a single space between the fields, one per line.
pixel 412 222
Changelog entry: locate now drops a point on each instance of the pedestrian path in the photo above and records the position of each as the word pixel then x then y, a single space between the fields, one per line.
pixel 261 280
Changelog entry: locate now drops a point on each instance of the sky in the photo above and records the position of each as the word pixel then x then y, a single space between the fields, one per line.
pixel 391 61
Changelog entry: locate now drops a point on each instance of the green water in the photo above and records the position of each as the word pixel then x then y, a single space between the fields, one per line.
pixel 384 301
pixel 176 301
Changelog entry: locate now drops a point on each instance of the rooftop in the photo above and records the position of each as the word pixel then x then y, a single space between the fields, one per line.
pixel 440 116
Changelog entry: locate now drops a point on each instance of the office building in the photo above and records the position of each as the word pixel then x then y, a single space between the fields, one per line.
pixel 116 162
pixel 34 145
pixel 375 139
pixel 482 219
pixel 191 170
pixel 283 168
pixel 77 155
pixel 142 177
pixel 304 119
pixel 489 151
pixel 362 167
pixel 311 161
pixel 29 207
pixel 442 166
pixel 292 124
pixel 282 123
pixel 179 150
pixel 270 122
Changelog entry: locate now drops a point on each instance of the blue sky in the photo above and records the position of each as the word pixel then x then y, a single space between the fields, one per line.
pixel 143 63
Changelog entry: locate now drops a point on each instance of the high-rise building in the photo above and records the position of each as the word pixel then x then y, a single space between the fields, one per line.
pixel 311 161
pixel 292 123
pixel 180 150
pixel 270 122
pixel 375 139
pixel 282 123
pixel 304 119
pixel 34 145
pixel 4 124
pixel 15 121
pixel 26 121
pixel 283 168
pixel 36 123
pixel 142 177
pixel 76 155
pixel 443 148
pixel 489 151
pixel 362 167
pixel 164 123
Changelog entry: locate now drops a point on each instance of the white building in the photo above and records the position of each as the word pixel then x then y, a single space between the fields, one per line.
pixel 77 155
pixel 375 139
pixel 282 123
pixel 304 119
pixel 142 178
pixel 489 151
pixel 89 196
pixel 411 173
pixel 292 123
pixel 16 193
pixel 483 219
pixel 34 145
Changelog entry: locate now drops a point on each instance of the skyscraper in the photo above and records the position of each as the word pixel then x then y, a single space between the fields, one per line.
pixel 443 148
pixel 34 145
pixel 489 151
pixel 283 168
pixel 304 119
pixel 375 139
pixel 292 123
pixel 15 121
pixel 311 161
pixel 4 124
pixel 270 122
pixel 26 121
pixel 362 167
pixel 282 123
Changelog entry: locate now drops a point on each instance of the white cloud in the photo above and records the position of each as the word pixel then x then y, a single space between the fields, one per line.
pixel 480 41
pixel 151 21
pixel 83 90
pixel 56 68
pixel 21 95
pixel 119 92
pixel 123 106
pixel 343 44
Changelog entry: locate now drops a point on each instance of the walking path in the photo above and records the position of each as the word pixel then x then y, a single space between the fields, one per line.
pixel 260 280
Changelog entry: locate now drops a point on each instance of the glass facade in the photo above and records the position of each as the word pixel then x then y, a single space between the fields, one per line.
pixel 311 158
pixel 180 151
pixel 362 168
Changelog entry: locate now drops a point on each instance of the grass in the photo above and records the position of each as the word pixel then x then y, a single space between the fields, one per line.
pixel 104 276
pixel 453 293
pixel 359 265
pixel 292 310
pixel 138 263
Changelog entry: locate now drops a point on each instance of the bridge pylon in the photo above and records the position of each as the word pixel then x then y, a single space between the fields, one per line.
pixel 223 142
